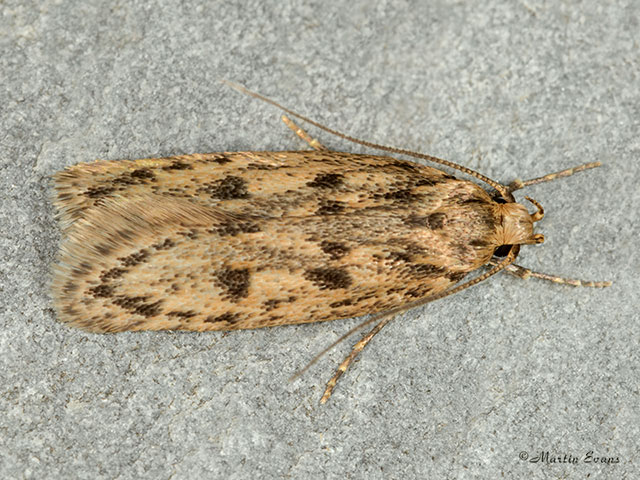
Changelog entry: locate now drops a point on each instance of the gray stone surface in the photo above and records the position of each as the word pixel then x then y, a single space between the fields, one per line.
pixel 457 389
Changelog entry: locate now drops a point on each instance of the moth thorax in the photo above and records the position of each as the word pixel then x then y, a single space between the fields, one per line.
pixel 516 225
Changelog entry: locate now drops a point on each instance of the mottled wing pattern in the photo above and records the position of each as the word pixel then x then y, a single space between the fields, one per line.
pixel 252 239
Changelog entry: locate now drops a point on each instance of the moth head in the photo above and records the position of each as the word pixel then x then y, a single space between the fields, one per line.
pixel 516 224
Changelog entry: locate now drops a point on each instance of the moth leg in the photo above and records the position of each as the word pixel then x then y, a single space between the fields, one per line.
pixel 518 184
pixel 313 143
pixel 357 348
pixel 525 273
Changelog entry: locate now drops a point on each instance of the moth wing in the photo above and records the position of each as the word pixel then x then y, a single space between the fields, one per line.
pixel 79 188
pixel 98 283
pixel 152 263
pixel 269 183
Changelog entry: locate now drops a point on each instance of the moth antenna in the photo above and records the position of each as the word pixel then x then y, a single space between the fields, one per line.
pixel 315 359
pixel 518 184
pixel 525 273
pixel 510 258
pixel 502 189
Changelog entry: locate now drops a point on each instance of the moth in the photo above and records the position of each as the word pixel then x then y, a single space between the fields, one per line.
pixel 239 240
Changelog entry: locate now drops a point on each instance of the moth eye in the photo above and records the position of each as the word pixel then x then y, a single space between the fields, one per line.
pixel 502 251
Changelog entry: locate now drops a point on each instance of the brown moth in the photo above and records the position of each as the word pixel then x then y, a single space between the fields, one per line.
pixel 238 240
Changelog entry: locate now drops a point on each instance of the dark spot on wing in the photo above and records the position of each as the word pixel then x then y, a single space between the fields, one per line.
pixel 127 302
pixel 331 207
pixel 400 256
pixel 327 180
pixel 112 274
pixel 435 221
pixel 271 304
pixel 234 282
pixel 148 309
pixel 135 177
pixel 407 166
pixel 178 165
pixel 227 317
pixel 276 302
pixel 342 303
pixel 428 182
pixel 329 278
pixel 99 191
pixel 418 292
pixel 143 173
pixel 334 249
pixel 187 314
pixel 227 188
pixel 101 291
pixel 137 305
pixel 455 276
pixel 134 258
pixel 403 195
pixel 218 158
